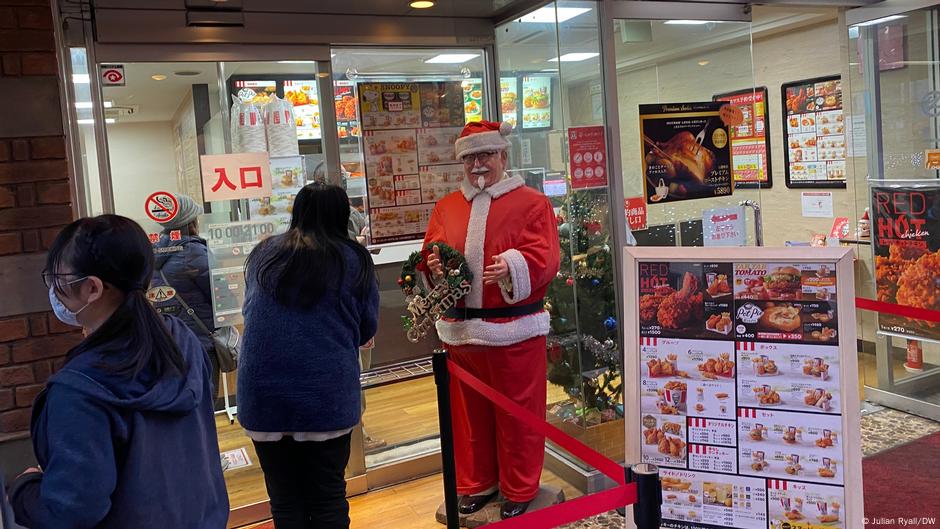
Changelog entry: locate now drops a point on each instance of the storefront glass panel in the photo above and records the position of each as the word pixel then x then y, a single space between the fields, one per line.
pixel 894 67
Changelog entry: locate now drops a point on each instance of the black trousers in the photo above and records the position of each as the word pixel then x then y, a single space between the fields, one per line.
pixel 306 482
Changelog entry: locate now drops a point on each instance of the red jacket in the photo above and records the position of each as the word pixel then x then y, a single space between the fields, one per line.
pixel 507 219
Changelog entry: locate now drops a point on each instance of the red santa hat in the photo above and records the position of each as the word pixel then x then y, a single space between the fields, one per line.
pixel 482 136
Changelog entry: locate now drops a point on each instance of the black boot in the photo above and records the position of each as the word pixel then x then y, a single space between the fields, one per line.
pixel 472 504
pixel 511 509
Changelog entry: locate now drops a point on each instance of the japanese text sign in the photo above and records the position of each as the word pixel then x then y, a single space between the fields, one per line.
pixel 724 227
pixel 236 176
pixel 588 157
pixel 634 208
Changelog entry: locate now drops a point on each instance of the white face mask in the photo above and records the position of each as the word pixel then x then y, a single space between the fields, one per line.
pixel 63 313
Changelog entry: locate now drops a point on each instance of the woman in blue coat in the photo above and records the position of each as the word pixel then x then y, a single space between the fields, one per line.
pixel 311 302
pixel 124 432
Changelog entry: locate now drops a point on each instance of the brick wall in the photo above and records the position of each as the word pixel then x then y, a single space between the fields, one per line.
pixel 35 203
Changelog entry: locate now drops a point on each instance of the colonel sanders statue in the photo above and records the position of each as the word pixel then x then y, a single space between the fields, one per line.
pixel 509 235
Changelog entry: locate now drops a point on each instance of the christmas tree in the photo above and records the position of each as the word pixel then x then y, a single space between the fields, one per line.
pixel 582 354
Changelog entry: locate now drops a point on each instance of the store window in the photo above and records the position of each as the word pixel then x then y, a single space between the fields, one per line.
pixel 551 88
pixel 892 72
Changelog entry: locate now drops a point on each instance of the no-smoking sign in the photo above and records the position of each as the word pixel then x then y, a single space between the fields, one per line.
pixel 161 207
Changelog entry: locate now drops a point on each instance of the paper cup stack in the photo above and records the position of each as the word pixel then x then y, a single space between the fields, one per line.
pixel 281 128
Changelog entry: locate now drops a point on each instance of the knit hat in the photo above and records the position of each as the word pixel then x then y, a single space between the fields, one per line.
pixel 188 212
pixel 482 136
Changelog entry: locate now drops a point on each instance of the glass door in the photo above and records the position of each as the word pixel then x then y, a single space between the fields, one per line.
pixel 685 165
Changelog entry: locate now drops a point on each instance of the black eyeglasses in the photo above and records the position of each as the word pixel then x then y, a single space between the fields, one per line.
pixel 483 157
pixel 49 278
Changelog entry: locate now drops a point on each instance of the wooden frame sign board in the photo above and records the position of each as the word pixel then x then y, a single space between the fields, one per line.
pixel 743 377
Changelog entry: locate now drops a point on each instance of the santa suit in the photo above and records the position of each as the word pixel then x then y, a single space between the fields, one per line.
pixel 507 353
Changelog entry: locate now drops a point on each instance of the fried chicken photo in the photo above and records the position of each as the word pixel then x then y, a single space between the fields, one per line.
pixel 888 270
pixel 649 303
pixel 683 158
pixel 677 308
pixel 919 285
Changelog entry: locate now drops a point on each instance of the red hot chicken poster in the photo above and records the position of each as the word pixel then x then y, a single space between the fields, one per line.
pixel 906 239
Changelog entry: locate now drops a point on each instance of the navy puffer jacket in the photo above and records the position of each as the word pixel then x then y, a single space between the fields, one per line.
pixel 185 263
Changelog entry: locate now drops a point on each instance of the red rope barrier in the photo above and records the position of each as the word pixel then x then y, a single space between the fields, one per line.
pixel 913 313
pixel 579 449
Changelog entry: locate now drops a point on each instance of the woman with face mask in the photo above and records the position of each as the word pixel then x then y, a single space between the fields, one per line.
pixel 124 432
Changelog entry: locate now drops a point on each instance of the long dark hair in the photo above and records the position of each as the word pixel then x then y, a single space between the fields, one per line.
pixel 308 260
pixel 116 250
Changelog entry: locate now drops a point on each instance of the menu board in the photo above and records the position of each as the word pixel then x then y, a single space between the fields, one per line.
pixel 686 152
pixel 536 102
pixel 287 178
pixel 509 100
pixel 409 164
pixel 814 133
pixel 347 117
pixel 473 99
pixel 303 95
pixel 389 105
pixel 742 389
pixel 905 229
pixel 750 140
pixel 255 91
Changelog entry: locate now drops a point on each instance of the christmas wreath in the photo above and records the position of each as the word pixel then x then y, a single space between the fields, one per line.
pixel 425 305
pixel 454 263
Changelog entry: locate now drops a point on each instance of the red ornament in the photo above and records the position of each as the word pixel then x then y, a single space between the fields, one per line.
pixel 401 281
pixel 554 352
pixel 593 227
pixel 569 281
pixel 422 265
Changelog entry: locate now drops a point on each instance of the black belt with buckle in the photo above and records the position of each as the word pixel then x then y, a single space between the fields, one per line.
pixel 513 311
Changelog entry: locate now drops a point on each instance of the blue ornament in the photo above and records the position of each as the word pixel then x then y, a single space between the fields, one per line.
pixel 610 323
pixel 596 282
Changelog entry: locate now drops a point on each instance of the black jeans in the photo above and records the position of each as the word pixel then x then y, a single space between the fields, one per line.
pixel 306 482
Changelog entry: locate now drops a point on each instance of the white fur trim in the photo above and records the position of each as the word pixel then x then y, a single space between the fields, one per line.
pixel 479 332
pixel 491 140
pixel 507 184
pixel 473 247
pixel 519 272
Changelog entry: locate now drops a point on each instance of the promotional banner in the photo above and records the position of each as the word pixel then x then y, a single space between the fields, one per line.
pixel 906 238
pixel 686 152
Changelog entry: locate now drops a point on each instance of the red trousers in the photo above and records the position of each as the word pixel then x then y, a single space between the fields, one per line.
pixel 492 447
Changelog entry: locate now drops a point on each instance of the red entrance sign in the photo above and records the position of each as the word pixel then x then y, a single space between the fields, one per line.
pixel 634 208
pixel 161 207
pixel 587 154
pixel 236 176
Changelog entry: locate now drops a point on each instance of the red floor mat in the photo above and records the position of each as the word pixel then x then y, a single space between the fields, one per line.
pixel 901 486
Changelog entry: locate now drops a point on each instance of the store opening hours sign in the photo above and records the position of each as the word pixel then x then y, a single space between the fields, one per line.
pixel 236 176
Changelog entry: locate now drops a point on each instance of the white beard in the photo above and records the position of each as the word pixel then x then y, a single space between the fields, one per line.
pixel 481 182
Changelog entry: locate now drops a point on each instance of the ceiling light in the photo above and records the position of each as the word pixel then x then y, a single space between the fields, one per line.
pixel 704 62
pixel 547 15
pixel 296 62
pixel 451 58
pixel 80 78
pixel 553 70
pixel 574 57
pixel 158 77
pixel 422 4
pixel 187 73
pixel 881 20
pixel 90 121
pixel 686 22
pixel 87 104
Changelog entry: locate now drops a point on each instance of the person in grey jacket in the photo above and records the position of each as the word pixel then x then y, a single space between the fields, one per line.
pixel 183 258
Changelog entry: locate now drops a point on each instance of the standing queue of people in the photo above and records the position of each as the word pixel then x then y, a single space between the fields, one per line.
pixel 125 432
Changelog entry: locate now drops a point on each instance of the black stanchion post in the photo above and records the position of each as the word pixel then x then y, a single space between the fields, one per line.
pixel 442 379
pixel 647 512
